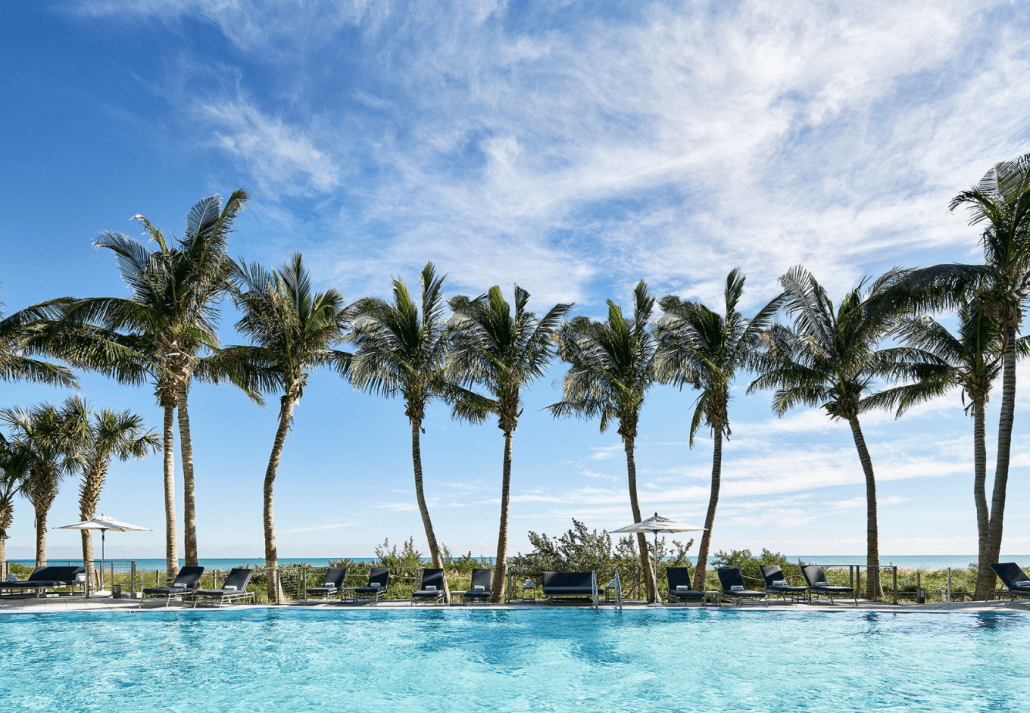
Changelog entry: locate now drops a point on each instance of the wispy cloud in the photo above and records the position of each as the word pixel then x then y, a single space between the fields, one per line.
pixel 316 528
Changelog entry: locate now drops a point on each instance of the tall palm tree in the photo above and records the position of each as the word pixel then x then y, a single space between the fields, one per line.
pixel 160 330
pixel 14 475
pixel 703 349
pixel 52 439
pixel 293 330
pixel 110 434
pixel 16 332
pixel 1001 203
pixel 400 351
pixel 970 360
pixel 830 360
pixel 503 353
pixel 611 367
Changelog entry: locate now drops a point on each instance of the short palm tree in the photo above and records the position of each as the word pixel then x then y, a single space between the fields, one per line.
pixel 502 352
pixel 611 367
pixel 293 330
pixel 705 350
pixel 830 360
pixel 160 330
pixel 400 351
pixel 111 434
pixel 52 441
pixel 14 474
pixel 1001 203
pixel 16 333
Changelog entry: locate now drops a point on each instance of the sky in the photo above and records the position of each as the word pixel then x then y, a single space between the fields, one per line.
pixel 572 148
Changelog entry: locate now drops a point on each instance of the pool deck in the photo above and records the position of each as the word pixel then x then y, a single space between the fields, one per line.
pixel 54 604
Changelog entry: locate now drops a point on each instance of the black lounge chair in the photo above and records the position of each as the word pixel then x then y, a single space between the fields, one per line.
pixel 431 589
pixel 186 581
pixel 481 586
pixel 378 582
pixel 332 584
pixel 776 583
pixel 1017 584
pixel 233 588
pixel 571 584
pixel 817 584
pixel 50 577
pixel 680 589
pixel 733 587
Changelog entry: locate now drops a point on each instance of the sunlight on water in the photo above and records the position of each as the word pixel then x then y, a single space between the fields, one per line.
pixel 547 660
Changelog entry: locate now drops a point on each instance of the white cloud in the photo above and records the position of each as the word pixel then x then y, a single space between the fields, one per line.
pixel 316 528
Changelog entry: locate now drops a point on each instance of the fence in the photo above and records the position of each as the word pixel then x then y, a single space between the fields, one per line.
pixel 921 586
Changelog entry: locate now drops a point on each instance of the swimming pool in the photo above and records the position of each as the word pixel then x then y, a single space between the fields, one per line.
pixel 486 660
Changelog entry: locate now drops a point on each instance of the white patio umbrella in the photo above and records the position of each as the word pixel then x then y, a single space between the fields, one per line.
pixel 104 523
pixel 658 524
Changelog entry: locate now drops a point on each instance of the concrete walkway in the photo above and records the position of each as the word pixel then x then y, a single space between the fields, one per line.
pixel 80 604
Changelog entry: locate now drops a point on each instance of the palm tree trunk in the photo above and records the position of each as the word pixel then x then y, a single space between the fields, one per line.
pixel 872 582
pixel 171 544
pixel 89 498
pixel 713 501
pixel 188 493
pixel 434 547
pixel 650 578
pixel 501 563
pixel 41 515
pixel 986 580
pixel 983 515
pixel 275 592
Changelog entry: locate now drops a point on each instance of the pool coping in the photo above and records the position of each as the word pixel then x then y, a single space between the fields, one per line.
pixel 64 605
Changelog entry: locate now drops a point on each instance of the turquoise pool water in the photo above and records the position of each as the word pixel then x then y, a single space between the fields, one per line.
pixel 487 660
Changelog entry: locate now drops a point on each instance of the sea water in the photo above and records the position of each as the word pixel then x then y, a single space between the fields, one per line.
pixel 512 660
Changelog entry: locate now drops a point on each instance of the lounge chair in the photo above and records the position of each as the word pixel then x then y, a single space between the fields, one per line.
pixel 332 584
pixel 481 586
pixel 50 577
pixel 432 588
pixel 233 588
pixel 571 584
pixel 733 587
pixel 776 583
pixel 817 584
pixel 186 581
pixel 1017 584
pixel 680 589
pixel 378 582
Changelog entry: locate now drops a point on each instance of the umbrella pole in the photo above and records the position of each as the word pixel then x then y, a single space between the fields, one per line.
pixel 655 567
pixel 103 544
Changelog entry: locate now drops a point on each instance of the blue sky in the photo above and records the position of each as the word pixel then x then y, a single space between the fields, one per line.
pixel 573 148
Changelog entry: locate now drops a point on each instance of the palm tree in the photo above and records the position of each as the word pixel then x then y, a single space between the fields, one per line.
pixel 705 350
pixel 1001 202
pixel 52 441
pixel 611 367
pixel 503 353
pixel 160 330
pixel 830 360
pixel 14 474
pixel 971 361
pixel 111 434
pixel 16 331
pixel 293 330
pixel 400 351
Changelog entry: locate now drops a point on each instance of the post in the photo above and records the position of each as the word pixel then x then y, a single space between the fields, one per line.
pixel 895 568
pixel 112 577
pixel 851 576
pixel 949 584
pixel 920 599
pixel 304 580
pixel 132 574
pixel 858 579
pixel 157 578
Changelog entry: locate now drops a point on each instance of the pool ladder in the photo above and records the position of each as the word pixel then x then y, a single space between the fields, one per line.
pixel 618 590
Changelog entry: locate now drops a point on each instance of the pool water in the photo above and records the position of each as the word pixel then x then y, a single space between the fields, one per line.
pixel 496 660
